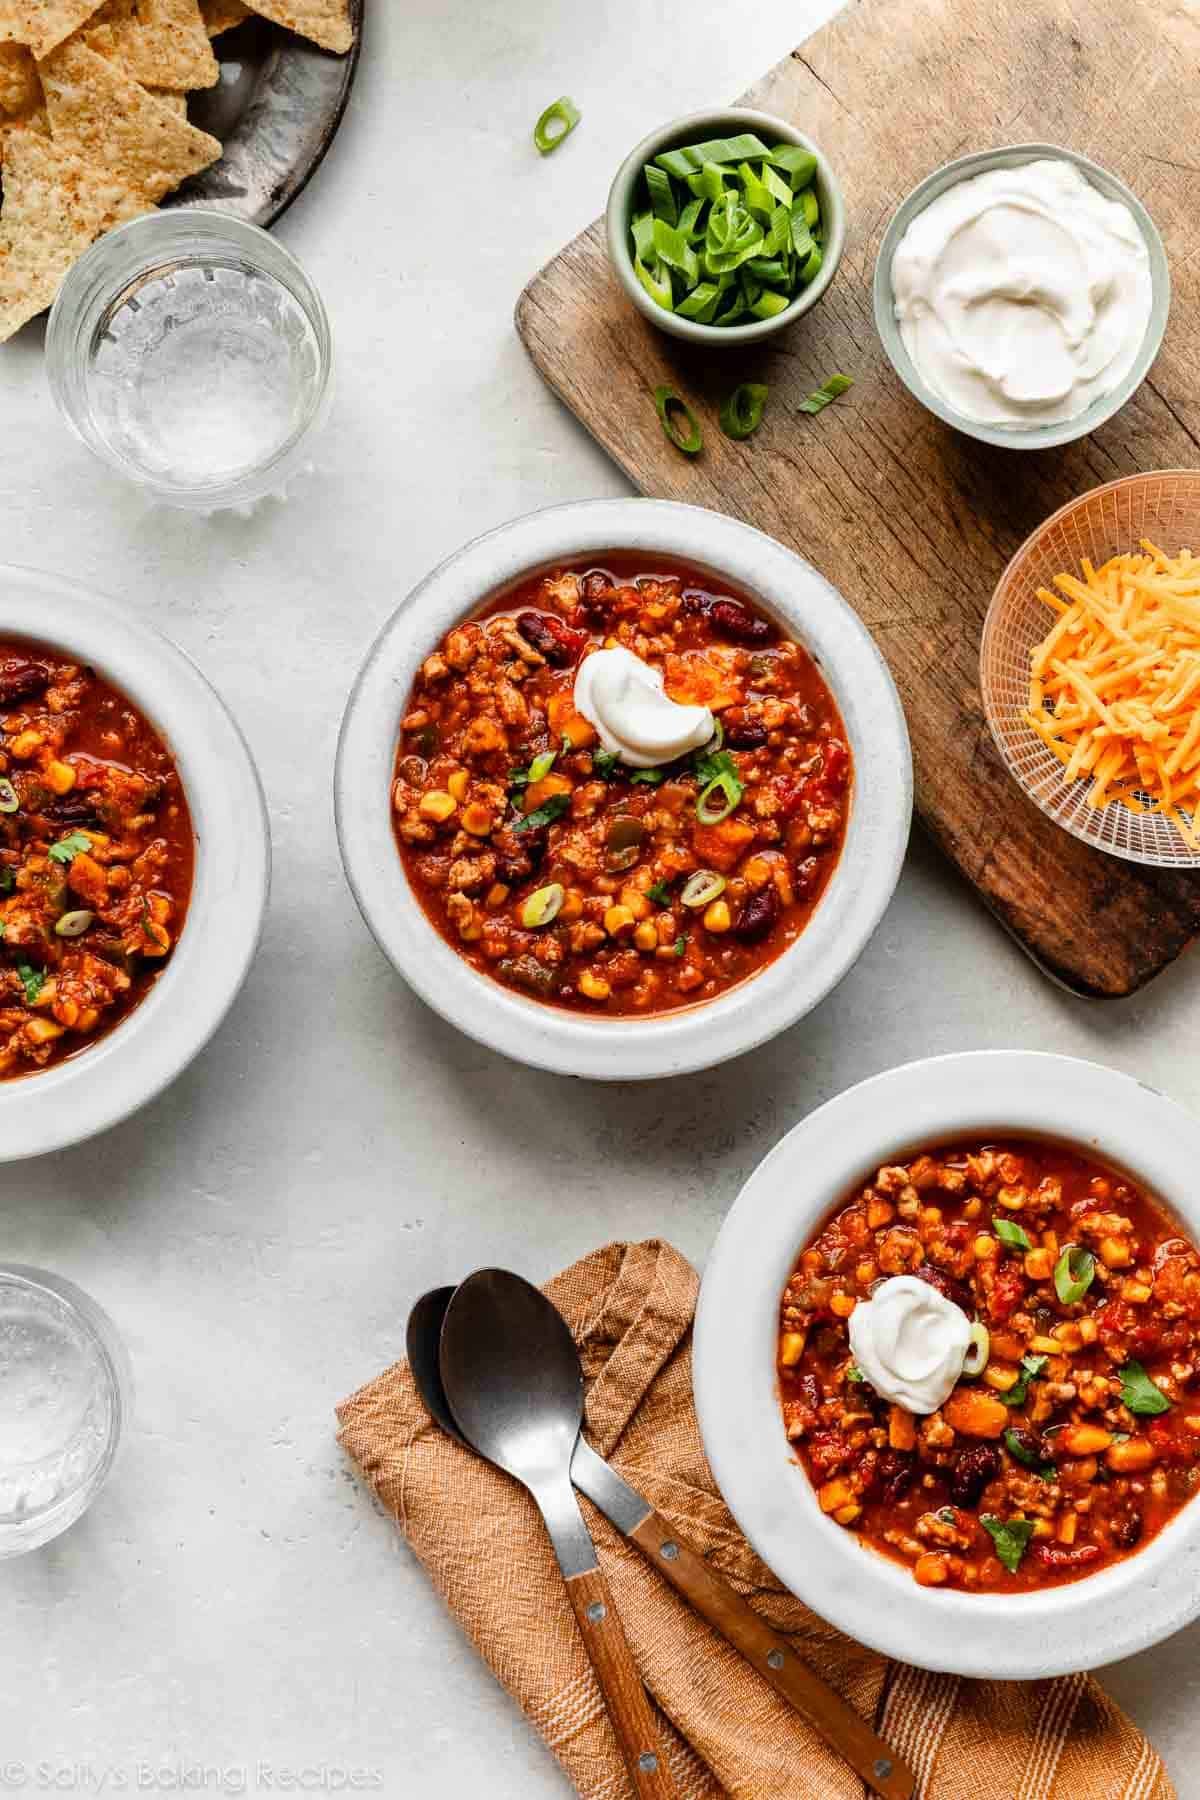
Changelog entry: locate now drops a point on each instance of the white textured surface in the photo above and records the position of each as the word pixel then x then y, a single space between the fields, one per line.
pixel 259 1232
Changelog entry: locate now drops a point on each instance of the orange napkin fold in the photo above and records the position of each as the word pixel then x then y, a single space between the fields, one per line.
pixel 725 1731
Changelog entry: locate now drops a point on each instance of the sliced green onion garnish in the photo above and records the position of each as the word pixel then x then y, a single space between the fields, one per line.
pixel 702 887
pixel 689 157
pixel 10 800
pixel 669 404
pixel 706 211
pixel 542 765
pixel 718 799
pixel 556 123
pixel 662 194
pixel 742 413
pixel 978 1350
pixel 798 164
pixel 543 906
pixel 821 397
pixel 1074 1273
pixel 74 924
pixel 657 282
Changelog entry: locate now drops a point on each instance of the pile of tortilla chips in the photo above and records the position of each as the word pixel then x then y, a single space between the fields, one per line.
pixel 93 119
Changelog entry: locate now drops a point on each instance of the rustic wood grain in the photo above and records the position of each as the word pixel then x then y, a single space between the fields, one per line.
pixel 625 1697
pixel 913 522
pixel 726 1611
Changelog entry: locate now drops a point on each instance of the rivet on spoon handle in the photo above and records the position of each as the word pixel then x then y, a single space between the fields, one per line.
pixel 775 1660
pixel 628 1706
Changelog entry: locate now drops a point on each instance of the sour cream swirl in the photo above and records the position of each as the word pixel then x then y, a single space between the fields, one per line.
pixel 635 719
pixel 1023 294
pixel 910 1342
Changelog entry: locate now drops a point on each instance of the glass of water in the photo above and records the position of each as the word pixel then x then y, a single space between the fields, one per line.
pixel 193 354
pixel 65 1397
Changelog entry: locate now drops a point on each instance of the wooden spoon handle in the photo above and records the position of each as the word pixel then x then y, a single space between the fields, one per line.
pixel 628 1707
pixel 775 1660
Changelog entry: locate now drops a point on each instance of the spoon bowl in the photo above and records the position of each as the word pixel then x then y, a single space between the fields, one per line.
pixel 511 1375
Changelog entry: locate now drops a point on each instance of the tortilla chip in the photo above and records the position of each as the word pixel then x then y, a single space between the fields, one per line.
pixel 161 43
pixel 42 23
pixel 20 88
pixel 100 115
pixel 326 22
pixel 222 15
pixel 176 103
pixel 54 207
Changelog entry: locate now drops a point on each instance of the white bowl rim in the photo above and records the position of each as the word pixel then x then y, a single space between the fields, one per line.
pixel 553 1038
pixel 105 1082
pixel 1039 437
pixel 1087 1623
pixel 1186 858
pixel 616 227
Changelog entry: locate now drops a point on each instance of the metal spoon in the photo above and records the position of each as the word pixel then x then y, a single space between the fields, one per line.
pixel 687 1571
pixel 515 1390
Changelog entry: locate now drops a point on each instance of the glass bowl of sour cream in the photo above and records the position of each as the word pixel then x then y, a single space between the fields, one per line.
pixel 1021 295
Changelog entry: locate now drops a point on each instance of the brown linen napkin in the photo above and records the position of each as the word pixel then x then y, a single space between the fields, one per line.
pixel 725 1730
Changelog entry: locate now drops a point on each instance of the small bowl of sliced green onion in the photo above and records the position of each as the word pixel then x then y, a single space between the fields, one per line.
pixel 725 227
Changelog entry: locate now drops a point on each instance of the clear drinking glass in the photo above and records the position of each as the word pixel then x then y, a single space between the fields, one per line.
pixel 65 1397
pixel 192 353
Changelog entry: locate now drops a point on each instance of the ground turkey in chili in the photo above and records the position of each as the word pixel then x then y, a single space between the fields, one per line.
pixel 616 847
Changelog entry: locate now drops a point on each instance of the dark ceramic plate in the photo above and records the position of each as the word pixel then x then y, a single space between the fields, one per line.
pixel 275 109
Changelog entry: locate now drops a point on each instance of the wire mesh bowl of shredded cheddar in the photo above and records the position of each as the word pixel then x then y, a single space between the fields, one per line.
pixel 1090 668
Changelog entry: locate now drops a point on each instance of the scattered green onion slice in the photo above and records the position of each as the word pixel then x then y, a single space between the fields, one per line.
pixel 556 123
pixel 541 765
pixel 10 800
pixel 978 1350
pixel 702 887
pixel 74 924
pixel 821 397
pixel 543 906
pixel 742 413
pixel 1074 1273
pixel 710 809
pixel 667 402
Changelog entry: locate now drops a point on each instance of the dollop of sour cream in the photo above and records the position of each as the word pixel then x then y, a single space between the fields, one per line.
pixel 910 1342
pixel 635 719
pixel 1023 294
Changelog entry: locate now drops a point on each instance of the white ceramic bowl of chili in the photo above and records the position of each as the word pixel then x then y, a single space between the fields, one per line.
pixel 806 607
pixel 106 1080
pixel 924 1106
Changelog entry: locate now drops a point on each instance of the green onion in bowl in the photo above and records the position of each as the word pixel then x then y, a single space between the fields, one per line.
pixel 727 229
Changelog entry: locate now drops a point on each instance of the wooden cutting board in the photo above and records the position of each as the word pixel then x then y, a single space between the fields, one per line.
pixel 912 521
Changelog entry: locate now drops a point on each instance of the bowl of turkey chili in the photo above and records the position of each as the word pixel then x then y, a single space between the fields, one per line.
pixel 582 899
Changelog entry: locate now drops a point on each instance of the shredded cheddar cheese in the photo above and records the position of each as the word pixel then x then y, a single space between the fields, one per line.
pixel 1114 687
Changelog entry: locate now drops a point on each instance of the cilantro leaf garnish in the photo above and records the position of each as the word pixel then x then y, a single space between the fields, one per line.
pixel 1011 1234
pixel 552 808
pixel 32 980
pixel 1011 1538
pixel 1139 1392
pixel 68 848
pixel 1031 1368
